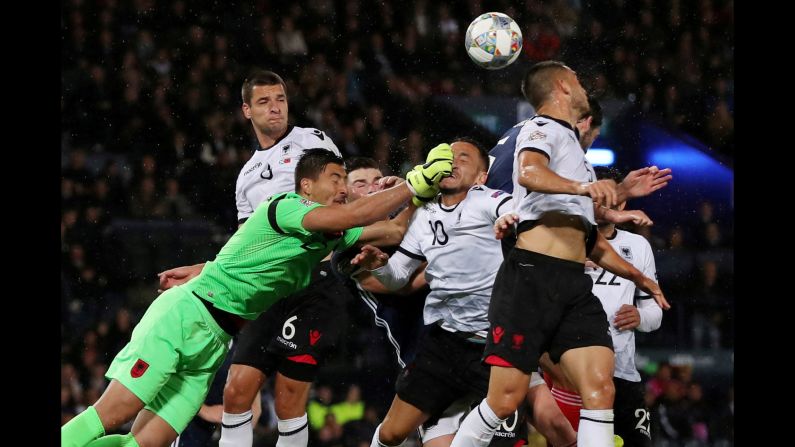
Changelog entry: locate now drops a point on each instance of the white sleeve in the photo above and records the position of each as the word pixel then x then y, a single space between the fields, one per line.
pixel 503 205
pixel 244 208
pixel 650 314
pixel 397 272
pixel 650 311
pixel 332 147
pixel 536 138
pixel 326 142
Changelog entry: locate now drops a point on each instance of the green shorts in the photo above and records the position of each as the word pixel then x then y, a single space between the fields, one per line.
pixel 172 357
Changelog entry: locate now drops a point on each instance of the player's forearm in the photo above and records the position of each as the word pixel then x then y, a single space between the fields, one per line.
pixel 606 257
pixel 622 193
pixel 397 272
pixel 650 315
pixel 539 178
pixel 604 214
pixel 375 207
pixel 382 234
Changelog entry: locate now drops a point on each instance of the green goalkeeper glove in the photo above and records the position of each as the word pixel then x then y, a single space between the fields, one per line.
pixel 424 180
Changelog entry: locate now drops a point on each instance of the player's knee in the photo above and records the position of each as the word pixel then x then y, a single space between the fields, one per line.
pixel 599 395
pixel 505 403
pixel 390 435
pixel 238 397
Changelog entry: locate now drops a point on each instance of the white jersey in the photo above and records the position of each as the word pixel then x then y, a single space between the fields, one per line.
pixel 463 258
pixel 614 291
pixel 559 142
pixel 272 170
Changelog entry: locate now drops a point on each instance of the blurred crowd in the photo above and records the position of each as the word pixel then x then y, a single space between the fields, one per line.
pixel 153 137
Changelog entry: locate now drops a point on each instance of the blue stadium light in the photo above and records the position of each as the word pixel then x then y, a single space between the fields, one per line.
pixel 686 159
pixel 600 156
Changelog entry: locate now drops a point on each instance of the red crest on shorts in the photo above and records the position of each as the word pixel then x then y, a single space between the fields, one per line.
pixel 139 369
pixel 518 339
pixel 314 336
pixel 497 333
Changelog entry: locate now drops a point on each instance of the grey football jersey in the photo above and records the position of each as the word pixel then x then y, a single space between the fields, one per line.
pixel 558 141
pixel 463 256
pixel 272 170
pixel 614 291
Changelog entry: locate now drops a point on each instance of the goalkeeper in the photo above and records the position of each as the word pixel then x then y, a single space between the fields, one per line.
pixel 162 375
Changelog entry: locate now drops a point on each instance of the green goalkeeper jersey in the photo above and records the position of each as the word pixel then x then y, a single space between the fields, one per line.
pixel 269 257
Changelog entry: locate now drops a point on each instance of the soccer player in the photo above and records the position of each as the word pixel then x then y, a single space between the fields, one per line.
pixel 542 300
pixel 163 373
pixel 449 233
pixel 628 309
pixel 269 171
pixel 636 184
pixel 398 314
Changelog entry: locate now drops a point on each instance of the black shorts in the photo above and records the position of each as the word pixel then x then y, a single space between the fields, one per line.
pixel 540 303
pixel 298 333
pixel 447 368
pixel 632 417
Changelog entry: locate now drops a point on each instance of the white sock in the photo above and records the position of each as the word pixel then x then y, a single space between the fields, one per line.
pixel 377 442
pixel 596 428
pixel 236 430
pixel 293 432
pixel 478 427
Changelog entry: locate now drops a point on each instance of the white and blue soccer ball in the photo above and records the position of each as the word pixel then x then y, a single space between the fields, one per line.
pixel 493 40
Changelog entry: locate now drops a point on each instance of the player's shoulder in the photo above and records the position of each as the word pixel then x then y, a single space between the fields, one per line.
pixel 310 136
pixel 483 191
pixel 483 197
pixel 632 240
pixel 542 126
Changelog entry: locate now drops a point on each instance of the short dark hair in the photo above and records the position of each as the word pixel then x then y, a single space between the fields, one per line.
pixel 607 172
pixel 355 163
pixel 595 110
pixel 537 83
pixel 482 152
pixel 259 77
pixel 312 163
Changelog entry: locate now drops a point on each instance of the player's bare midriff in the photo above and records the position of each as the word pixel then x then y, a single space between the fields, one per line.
pixel 556 234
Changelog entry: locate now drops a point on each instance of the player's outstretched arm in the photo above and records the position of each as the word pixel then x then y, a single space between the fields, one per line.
pixel 394 273
pixel 535 175
pixel 387 233
pixel 606 257
pixel 421 182
pixel 637 217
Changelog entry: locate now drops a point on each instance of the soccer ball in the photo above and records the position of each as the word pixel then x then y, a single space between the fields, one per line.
pixel 493 40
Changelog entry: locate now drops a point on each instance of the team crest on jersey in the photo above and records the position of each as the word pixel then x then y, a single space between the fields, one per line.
pixel 306 202
pixel 285 161
pixel 498 193
pixel 537 135
pixel 626 252
pixel 139 369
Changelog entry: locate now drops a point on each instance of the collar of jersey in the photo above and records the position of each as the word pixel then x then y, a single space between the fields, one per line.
pixel 448 210
pixel 562 123
pixel 289 129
